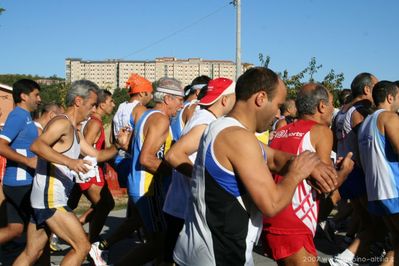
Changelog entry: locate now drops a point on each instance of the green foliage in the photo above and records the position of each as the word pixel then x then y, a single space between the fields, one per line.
pixel 264 61
pixel 2 10
pixel 332 81
pixel 10 79
pixel 54 93
pixel 119 95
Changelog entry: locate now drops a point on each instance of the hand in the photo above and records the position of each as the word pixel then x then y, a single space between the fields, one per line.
pixel 79 165
pixel 302 165
pixel 31 162
pixel 345 166
pixel 123 138
pixel 324 178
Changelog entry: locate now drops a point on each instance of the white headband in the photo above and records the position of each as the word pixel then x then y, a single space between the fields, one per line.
pixel 198 86
pixel 169 91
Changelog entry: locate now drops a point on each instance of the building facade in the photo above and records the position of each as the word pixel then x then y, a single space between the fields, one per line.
pixel 111 74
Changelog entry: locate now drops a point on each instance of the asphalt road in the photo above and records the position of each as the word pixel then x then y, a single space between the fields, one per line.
pixel 325 248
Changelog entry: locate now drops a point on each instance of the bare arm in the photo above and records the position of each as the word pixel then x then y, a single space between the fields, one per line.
pixel 390 124
pixel 92 132
pixel 102 155
pixel 178 155
pixel 244 157
pixel 322 139
pixel 49 145
pixel 10 154
pixel 155 135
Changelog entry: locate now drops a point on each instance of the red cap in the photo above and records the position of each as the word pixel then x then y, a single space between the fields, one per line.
pixel 216 89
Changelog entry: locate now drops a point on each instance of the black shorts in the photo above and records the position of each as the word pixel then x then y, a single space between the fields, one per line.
pixel 18 204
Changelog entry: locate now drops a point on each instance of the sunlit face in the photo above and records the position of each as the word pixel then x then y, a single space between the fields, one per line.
pixel 329 110
pixel 175 104
pixel 270 108
pixel 88 106
pixel 33 100
pixel 374 81
pixel 231 100
pixel 108 105
pixel 395 104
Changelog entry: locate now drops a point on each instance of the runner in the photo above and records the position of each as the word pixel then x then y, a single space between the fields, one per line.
pixel 289 235
pixel 18 134
pixel 217 102
pixel 58 168
pixel 189 106
pixel 150 177
pixel 378 150
pixel 232 185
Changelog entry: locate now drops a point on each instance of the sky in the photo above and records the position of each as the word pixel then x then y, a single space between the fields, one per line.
pixel 349 36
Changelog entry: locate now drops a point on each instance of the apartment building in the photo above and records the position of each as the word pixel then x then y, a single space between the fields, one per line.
pixel 114 73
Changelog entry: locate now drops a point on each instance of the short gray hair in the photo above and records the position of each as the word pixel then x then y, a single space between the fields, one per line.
pixel 158 97
pixel 167 86
pixel 308 100
pixel 80 88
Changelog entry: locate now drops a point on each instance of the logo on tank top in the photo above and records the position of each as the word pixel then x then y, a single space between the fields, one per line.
pixel 283 134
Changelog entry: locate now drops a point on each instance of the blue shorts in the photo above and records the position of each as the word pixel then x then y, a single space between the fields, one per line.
pixel 354 185
pixel 150 210
pixel 40 216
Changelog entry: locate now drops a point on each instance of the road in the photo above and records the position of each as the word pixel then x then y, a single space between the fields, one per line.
pixel 325 248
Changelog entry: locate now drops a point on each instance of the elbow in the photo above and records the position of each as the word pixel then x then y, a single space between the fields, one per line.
pixel 170 158
pixel 34 148
pixel 270 210
pixel 145 160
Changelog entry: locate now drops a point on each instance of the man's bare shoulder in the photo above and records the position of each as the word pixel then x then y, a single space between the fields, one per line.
pixel 59 123
pixel 388 117
pixel 235 137
pixel 321 130
pixel 139 109
pixel 158 120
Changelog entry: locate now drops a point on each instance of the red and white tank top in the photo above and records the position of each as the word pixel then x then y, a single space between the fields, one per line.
pixel 299 217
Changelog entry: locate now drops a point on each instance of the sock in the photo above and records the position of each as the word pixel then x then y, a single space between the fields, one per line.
pixel 346 255
pixel 103 244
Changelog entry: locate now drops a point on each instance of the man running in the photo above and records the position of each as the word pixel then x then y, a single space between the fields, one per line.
pixel 232 185
pixel 289 235
pixel 18 134
pixel 58 168
pixel 217 101
pixel 378 150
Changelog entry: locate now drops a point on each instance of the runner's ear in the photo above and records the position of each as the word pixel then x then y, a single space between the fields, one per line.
pixel 260 98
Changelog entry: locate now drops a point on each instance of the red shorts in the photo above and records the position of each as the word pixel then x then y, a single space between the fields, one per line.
pixel 92 181
pixel 282 246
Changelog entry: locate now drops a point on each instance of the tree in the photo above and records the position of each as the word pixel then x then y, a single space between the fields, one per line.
pixel 332 81
pixel 2 10
pixel 264 62
pixel 313 68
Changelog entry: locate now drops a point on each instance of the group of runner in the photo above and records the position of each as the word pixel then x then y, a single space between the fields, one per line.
pixel 202 179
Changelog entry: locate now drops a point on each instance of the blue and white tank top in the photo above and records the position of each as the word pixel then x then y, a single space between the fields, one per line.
pixel 176 122
pixel 381 166
pixel 140 181
pixel 222 222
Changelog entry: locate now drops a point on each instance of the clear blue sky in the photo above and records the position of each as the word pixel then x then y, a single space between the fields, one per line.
pixel 349 36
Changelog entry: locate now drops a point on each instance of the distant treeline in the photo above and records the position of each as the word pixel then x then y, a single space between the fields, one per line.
pixel 9 79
